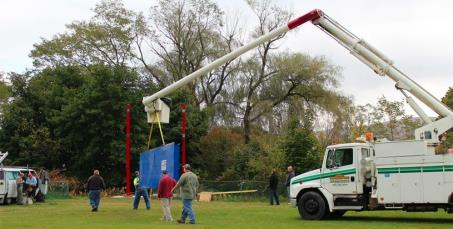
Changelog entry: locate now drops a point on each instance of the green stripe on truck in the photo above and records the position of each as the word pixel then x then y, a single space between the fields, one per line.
pixel 417 169
pixel 324 175
pixel 388 170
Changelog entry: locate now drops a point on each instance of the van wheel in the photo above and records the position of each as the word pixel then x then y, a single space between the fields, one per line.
pixel 312 206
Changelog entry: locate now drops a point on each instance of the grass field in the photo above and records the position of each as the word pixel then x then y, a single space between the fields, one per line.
pixel 117 213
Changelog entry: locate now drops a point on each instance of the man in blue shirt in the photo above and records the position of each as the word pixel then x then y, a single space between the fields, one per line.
pixel 31 184
pixel 140 191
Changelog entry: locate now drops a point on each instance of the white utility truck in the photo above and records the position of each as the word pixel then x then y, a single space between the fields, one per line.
pixel 392 175
pixel 8 175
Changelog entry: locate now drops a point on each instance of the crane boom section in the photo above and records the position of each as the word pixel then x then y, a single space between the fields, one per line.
pixel 370 56
pixel 230 56
pixel 382 65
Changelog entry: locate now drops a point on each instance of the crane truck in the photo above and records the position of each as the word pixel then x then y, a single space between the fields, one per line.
pixel 388 175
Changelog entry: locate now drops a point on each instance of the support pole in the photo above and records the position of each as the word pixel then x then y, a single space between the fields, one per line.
pixel 183 142
pixel 128 149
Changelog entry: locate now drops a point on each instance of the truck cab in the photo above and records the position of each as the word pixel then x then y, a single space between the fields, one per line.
pixel 340 184
pixel 389 175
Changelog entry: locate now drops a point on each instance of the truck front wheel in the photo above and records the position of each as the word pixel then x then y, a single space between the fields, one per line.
pixel 312 206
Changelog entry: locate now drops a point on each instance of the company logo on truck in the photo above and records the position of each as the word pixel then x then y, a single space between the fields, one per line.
pixel 339 179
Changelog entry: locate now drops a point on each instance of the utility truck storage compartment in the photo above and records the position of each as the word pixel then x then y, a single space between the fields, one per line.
pixel 430 182
pixel 407 161
pixel 434 186
pixel 388 181
pixel 411 185
pixel 405 148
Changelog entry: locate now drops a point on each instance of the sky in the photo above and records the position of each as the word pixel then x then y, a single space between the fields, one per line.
pixel 415 34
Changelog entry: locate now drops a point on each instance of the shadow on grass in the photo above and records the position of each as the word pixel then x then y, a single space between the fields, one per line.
pixel 394 219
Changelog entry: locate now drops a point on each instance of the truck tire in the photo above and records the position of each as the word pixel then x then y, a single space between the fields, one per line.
pixel 312 206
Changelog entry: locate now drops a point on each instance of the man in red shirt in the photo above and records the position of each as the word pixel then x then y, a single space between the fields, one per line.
pixel 165 194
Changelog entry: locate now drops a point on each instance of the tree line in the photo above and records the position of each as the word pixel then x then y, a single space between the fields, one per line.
pixel 263 110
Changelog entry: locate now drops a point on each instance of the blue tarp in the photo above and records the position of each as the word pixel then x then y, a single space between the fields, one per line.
pixel 153 161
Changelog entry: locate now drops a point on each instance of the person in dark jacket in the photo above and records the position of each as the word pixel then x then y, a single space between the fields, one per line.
pixel 95 185
pixel 290 175
pixel 273 184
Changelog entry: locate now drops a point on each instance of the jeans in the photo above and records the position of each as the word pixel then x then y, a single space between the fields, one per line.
pixel 95 198
pixel 273 195
pixel 166 208
pixel 187 210
pixel 139 192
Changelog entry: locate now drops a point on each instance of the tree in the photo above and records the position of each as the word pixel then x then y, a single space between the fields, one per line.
pixel 216 151
pixel 180 37
pixel 297 82
pixel 448 98
pixel 5 91
pixel 257 70
pixel 113 36
pixel 334 124
pixel 73 116
pixel 301 146
pixel 191 34
pixel 392 111
pixel 386 119
pixel 255 160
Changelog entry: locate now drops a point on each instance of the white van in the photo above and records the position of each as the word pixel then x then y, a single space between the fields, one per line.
pixel 8 187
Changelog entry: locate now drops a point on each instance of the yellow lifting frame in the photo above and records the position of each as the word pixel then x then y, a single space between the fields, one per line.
pixel 151 130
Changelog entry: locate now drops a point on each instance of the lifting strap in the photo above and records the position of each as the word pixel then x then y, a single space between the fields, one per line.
pixel 151 130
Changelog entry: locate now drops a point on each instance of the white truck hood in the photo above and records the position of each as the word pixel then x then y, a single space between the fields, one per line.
pixel 304 180
pixel 300 177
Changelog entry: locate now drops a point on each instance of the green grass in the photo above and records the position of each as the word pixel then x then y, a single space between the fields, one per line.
pixel 117 213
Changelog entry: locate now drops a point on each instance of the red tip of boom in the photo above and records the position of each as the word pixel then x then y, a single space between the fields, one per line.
pixel 310 16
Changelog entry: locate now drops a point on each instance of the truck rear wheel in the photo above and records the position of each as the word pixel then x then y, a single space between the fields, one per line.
pixel 312 206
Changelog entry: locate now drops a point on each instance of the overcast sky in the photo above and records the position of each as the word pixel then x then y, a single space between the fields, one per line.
pixel 417 35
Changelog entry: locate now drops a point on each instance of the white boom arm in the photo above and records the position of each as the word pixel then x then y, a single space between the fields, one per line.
pixel 153 102
pixel 358 48
pixel 3 156
pixel 384 66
